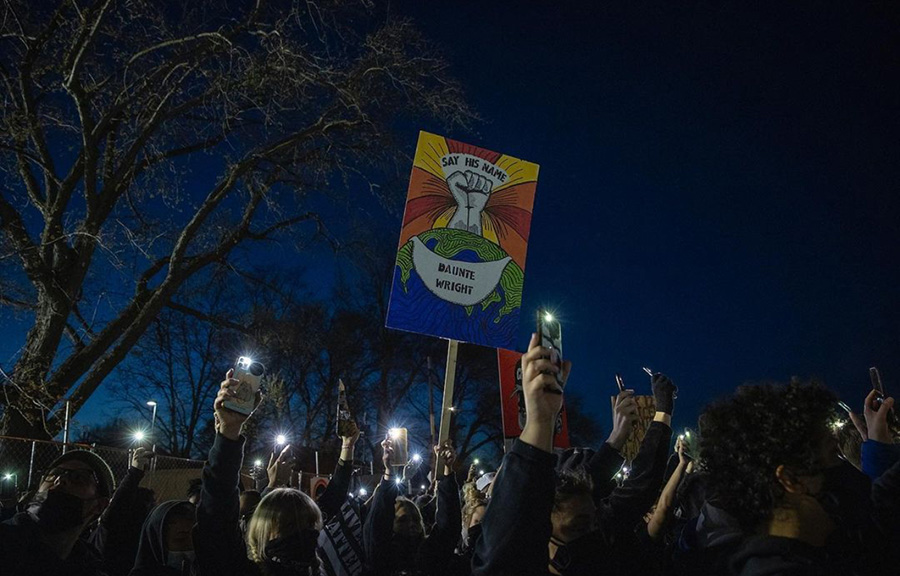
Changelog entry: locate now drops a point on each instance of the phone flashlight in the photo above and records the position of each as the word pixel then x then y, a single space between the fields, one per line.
pixel 648 371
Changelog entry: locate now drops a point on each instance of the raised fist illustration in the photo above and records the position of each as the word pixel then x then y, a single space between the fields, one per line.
pixel 471 192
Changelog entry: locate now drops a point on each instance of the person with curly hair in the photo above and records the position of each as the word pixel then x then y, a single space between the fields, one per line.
pixel 772 462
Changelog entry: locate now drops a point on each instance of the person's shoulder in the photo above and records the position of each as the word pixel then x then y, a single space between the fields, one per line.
pixel 18 523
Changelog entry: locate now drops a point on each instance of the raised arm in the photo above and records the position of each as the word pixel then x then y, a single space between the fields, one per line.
pixel 628 503
pixel 336 492
pixel 218 543
pixel 441 542
pixel 607 460
pixel 663 512
pixel 516 526
pixel 378 529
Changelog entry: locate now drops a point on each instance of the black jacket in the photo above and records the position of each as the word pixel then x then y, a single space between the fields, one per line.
pixel 621 511
pixel 152 554
pixel 119 530
pixel 776 556
pixel 516 525
pixel 435 553
pixel 22 553
pixel 335 493
pixel 218 542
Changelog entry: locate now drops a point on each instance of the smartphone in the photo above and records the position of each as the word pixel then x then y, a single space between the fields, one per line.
pixel 550 335
pixel 875 377
pixel 249 373
pixel 843 406
pixel 620 383
pixel 400 456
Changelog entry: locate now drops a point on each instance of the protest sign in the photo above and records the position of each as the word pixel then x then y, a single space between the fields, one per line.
pixel 646 407
pixel 461 260
pixel 512 400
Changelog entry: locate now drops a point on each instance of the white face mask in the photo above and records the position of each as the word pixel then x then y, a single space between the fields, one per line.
pixel 176 560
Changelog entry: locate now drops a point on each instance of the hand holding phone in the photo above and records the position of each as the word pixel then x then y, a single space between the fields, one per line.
pixel 249 374
pixel 875 378
pixel 549 333
pixel 400 453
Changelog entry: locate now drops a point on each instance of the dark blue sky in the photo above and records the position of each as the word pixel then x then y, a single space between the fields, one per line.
pixel 718 188
pixel 718 195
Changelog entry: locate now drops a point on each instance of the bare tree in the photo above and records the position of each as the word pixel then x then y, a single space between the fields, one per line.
pixel 141 144
pixel 179 363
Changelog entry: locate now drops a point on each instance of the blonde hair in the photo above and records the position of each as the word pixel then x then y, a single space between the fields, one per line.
pixel 281 512
pixel 473 499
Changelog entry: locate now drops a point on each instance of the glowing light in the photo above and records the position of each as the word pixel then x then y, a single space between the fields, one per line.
pixel 837 425
pixel 280 439
pixel 257 463
pixel 394 433
pixel 363 492
pixel 7 477
pixel 422 487
pixel 245 361
pixel 397 481
pixel 548 317
pixel 453 408
pixel 416 458
pixel 151 403
pixel 681 436
pixel 476 461
pixel 687 433
pixel 139 436
pixel 481 472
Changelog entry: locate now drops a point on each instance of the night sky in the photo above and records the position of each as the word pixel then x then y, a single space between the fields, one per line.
pixel 718 194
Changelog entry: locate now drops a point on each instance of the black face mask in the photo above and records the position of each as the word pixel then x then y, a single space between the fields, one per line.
pixel 57 511
pixel 296 551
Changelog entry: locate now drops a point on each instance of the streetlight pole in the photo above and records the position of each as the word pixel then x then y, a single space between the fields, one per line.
pixel 152 404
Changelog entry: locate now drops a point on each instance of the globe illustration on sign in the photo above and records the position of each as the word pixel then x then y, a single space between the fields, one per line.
pixel 478 286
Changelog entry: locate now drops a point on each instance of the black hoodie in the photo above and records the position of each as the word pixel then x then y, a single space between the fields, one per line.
pixel 777 556
pixel 152 553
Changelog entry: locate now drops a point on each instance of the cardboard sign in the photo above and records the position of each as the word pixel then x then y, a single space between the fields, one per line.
pixel 460 265
pixel 646 407
pixel 512 400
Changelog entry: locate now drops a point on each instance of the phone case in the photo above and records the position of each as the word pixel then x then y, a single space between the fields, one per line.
pixel 400 457
pixel 250 375
pixel 550 334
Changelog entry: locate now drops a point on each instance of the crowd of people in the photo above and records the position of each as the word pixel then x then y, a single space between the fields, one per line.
pixel 776 487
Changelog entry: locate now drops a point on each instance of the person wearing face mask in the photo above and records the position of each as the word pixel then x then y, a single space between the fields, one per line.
pixel 284 529
pixel 394 534
pixel 166 546
pixel 772 462
pixel 46 539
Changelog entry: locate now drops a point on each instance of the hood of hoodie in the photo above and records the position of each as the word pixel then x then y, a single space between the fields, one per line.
pixel 716 527
pixel 152 552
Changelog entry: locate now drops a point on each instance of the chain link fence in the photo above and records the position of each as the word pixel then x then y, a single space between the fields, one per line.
pixel 23 462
